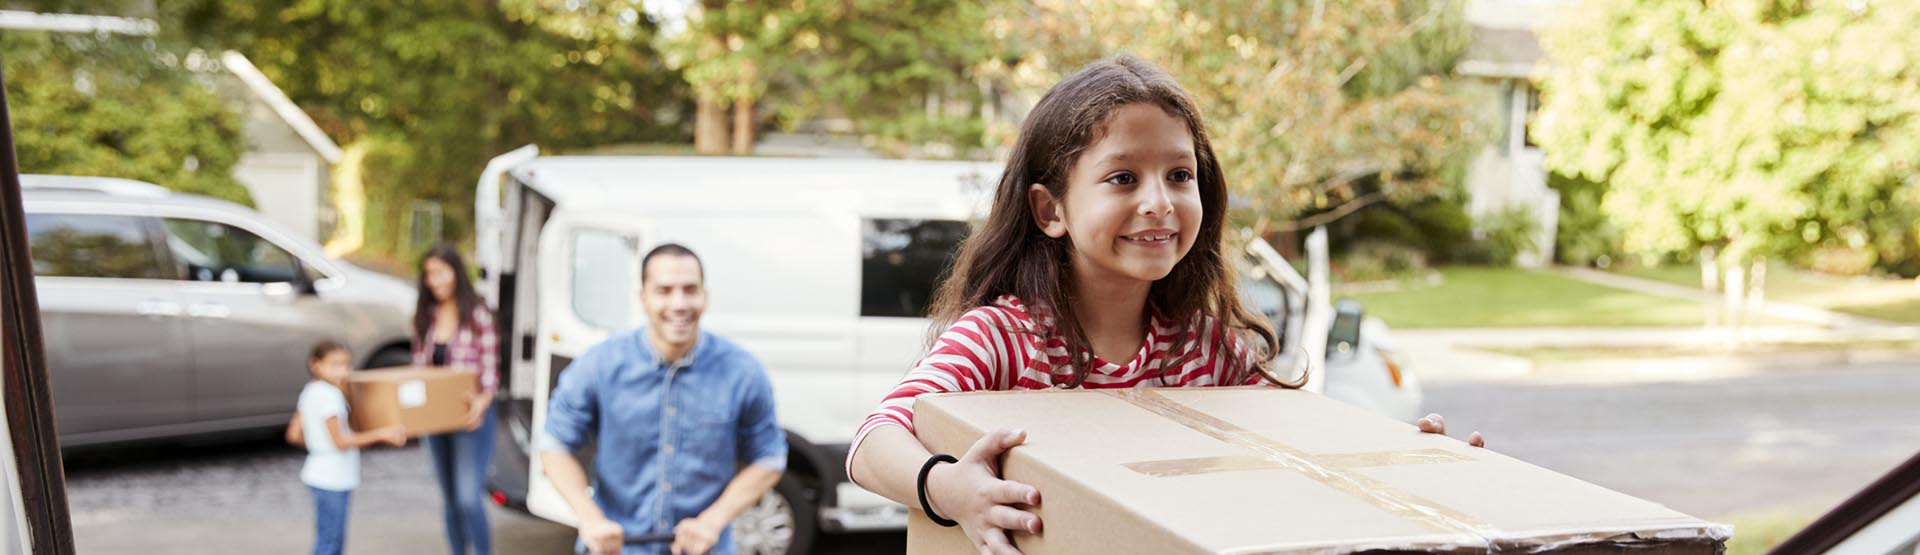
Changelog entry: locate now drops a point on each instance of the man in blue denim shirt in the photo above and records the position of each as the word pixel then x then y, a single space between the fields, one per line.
pixel 673 411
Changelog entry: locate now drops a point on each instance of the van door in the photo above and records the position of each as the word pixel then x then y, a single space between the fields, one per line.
pixel 589 289
pixel 515 280
pixel 116 336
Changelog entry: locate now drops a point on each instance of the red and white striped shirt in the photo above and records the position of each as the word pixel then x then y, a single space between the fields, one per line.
pixel 1003 346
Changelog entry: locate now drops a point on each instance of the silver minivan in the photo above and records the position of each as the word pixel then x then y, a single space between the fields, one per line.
pixel 170 314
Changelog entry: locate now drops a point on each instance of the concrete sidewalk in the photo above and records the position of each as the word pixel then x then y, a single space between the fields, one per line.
pixel 1462 355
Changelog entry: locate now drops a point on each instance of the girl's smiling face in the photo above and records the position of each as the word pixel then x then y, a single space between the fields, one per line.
pixel 332 367
pixel 1132 199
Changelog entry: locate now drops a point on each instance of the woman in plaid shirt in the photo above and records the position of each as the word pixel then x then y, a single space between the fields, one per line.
pixel 452 328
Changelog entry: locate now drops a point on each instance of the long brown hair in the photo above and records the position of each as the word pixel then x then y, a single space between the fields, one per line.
pixel 463 295
pixel 1008 254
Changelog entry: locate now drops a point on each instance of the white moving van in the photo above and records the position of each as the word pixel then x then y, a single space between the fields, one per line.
pixel 823 268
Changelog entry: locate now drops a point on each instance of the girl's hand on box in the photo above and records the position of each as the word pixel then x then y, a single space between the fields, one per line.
pixel 477 410
pixel 393 435
pixel 971 492
pixel 1433 423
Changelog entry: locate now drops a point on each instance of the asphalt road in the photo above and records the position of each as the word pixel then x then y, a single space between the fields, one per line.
pixel 1788 441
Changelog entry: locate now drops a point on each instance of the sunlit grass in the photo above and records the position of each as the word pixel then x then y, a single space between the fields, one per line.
pixel 1478 297
pixel 1755 534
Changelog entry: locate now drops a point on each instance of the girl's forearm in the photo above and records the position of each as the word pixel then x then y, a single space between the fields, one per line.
pixel 363 439
pixel 888 463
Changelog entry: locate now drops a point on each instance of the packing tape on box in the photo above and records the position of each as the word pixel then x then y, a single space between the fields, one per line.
pixel 1204 465
pixel 1328 471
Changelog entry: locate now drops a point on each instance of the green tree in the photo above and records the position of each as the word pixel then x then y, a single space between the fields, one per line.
pixel 897 71
pixel 1751 127
pixel 118 106
pixel 438 88
pixel 1317 108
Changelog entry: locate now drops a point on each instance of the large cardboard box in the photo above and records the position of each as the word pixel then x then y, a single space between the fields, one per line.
pixel 1270 471
pixel 422 400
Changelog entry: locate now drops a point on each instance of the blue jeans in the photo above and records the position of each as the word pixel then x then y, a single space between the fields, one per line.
pixel 460 461
pixel 329 521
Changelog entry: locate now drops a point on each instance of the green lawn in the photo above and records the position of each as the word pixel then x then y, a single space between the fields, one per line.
pixel 1895 300
pixel 1756 534
pixel 1479 297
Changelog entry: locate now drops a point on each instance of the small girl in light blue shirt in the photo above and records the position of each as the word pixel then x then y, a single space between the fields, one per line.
pixel 332 469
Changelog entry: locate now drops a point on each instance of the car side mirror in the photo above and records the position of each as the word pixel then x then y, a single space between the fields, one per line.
pixel 1344 336
pixel 303 282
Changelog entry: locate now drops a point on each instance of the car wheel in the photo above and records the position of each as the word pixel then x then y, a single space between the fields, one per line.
pixel 783 523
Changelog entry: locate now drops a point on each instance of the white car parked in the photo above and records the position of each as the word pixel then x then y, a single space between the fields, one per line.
pixel 823 268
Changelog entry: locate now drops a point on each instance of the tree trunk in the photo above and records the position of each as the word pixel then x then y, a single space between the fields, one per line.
pixel 743 112
pixel 742 128
pixel 1736 295
pixel 710 127
pixel 1710 282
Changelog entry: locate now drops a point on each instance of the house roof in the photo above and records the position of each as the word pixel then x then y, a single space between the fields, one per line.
pixel 76 23
pixel 267 92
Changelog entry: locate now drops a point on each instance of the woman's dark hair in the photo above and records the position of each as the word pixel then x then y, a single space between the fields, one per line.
pixel 322 349
pixel 1009 255
pixel 463 295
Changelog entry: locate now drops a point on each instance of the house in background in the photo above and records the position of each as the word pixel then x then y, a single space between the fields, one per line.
pixel 286 161
pixel 1510 174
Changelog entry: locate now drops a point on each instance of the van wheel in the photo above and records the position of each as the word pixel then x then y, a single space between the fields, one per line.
pixel 390 357
pixel 783 523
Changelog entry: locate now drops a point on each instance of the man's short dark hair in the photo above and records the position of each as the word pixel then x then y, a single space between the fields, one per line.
pixel 674 249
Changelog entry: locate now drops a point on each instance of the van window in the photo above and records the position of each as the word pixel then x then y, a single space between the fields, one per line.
pixel 605 278
pixel 91 245
pixel 213 251
pixel 902 261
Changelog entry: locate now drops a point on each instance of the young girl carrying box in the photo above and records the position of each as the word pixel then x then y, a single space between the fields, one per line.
pixel 320 424
pixel 1101 265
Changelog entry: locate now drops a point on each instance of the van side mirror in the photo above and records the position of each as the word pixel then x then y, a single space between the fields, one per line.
pixel 1344 336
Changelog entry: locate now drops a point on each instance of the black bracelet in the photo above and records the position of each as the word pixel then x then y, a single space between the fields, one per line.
pixel 921 485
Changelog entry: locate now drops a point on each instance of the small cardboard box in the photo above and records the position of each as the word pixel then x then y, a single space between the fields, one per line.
pixel 422 400
pixel 1269 471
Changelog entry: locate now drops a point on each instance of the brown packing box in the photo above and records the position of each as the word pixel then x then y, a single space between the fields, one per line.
pixel 423 400
pixel 1268 471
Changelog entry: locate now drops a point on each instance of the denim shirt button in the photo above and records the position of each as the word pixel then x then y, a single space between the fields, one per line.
pixel 668 449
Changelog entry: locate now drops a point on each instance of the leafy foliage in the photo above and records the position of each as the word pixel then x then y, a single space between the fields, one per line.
pixel 443 86
pixel 1757 127
pixel 1311 104
pixel 118 106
